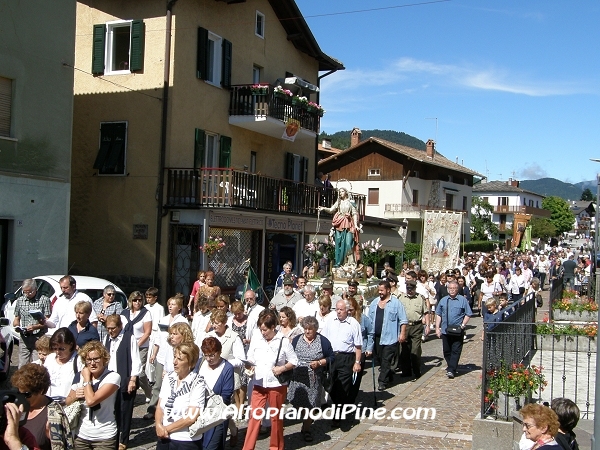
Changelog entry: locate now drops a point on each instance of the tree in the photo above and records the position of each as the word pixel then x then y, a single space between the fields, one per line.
pixel 482 227
pixel 542 228
pixel 561 215
pixel 587 195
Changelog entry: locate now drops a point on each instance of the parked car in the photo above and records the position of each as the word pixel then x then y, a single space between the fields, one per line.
pixel 49 286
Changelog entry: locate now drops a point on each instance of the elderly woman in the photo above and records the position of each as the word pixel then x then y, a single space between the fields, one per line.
pixel 81 327
pixel 314 354
pixel 97 387
pixel 324 310
pixel 178 405
pixel 540 425
pixel 287 323
pixel 218 376
pixel 270 355
pixel 161 350
pixel 104 307
pixel 62 364
pixel 33 381
pixel 138 320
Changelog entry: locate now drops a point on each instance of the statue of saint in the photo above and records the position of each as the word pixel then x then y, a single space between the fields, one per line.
pixel 345 228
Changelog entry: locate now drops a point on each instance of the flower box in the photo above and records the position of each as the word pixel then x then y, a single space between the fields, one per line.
pixel 507 405
pixel 575 316
pixel 565 343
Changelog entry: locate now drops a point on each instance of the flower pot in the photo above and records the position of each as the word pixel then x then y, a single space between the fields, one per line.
pixel 575 316
pixel 564 343
pixel 507 405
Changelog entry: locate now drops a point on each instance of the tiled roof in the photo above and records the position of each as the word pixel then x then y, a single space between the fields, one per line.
pixel 419 155
pixel 501 186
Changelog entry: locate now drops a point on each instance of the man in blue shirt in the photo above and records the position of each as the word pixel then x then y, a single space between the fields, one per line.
pixel 389 319
pixel 452 310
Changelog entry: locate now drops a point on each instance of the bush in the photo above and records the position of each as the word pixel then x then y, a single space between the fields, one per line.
pixel 480 246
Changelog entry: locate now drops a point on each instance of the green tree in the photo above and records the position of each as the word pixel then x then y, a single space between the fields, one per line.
pixel 482 227
pixel 542 228
pixel 587 195
pixel 561 215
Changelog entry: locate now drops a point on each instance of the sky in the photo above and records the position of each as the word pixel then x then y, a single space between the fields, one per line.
pixel 510 88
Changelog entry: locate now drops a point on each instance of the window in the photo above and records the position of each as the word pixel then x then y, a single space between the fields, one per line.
pixel 259 30
pixel 296 168
pixel 211 150
pixel 413 237
pixel 374 172
pixel 486 199
pixel 464 203
pixel 502 201
pixel 252 162
pixel 373 197
pixel 449 201
pixel 255 74
pixel 118 47
pixel 415 197
pixel 113 146
pixel 214 58
pixel 5 105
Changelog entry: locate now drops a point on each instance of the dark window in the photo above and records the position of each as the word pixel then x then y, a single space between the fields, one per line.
pixel 113 143
pixel 415 198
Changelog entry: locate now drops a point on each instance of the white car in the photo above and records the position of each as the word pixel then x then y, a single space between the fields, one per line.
pixel 48 285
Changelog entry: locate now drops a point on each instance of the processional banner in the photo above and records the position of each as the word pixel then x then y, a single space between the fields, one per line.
pixel 441 240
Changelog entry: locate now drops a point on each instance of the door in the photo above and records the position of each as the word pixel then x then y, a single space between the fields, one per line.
pixel 183 258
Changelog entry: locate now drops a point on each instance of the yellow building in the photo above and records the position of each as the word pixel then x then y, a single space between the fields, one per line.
pixel 173 142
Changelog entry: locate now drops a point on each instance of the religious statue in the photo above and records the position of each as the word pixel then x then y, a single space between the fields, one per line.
pixel 345 228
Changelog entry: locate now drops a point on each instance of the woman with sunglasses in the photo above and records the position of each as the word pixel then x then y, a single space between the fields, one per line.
pixel 138 320
pixel 106 306
pixel 62 363
pixel 97 387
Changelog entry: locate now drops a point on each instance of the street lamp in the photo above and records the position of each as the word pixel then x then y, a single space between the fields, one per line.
pixel 596 436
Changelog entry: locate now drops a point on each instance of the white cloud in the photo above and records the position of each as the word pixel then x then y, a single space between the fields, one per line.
pixel 532 171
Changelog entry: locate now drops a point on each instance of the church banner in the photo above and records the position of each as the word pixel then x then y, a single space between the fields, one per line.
pixel 441 240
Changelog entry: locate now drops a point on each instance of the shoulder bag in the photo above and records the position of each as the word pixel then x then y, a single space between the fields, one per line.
pixel 214 413
pixel 452 330
pixel 283 377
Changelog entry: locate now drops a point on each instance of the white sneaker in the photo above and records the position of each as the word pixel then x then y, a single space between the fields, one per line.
pixel 147 400
pixel 423 338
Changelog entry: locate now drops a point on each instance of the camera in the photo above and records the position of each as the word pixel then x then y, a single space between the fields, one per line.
pixel 18 399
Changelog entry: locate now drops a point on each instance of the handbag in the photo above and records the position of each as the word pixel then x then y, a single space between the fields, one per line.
pixel 214 413
pixel 283 377
pixel 73 413
pixel 452 330
pixel 326 380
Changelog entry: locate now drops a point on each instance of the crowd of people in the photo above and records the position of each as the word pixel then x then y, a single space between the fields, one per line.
pixel 306 347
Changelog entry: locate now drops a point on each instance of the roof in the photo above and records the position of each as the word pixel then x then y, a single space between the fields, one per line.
pixel 332 150
pixel 501 186
pixel 582 205
pixel 299 33
pixel 413 153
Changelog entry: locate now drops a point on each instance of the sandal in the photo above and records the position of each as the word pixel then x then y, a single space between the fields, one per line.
pixel 308 437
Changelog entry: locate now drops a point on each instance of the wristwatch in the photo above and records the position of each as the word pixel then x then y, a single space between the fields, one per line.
pixel 85 383
pixel 357 362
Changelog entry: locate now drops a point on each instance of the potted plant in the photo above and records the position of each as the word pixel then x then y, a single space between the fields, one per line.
pixel 300 101
pixel 510 387
pixel 568 337
pixel 259 89
pixel 282 93
pixel 573 308
pixel 372 253
pixel 212 246
pixel 314 107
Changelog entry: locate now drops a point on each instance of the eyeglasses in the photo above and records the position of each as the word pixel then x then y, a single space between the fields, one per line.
pixel 93 360
pixel 26 394
pixel 137 300
pixel 110 294
pixel 529 425
pixel 211 356
pixel 28 292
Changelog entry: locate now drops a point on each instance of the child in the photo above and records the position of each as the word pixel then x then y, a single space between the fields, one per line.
pixel 491 314
pixel 197 285
pixel 42 347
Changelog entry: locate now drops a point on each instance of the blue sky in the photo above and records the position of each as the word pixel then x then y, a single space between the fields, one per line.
pixel 514 85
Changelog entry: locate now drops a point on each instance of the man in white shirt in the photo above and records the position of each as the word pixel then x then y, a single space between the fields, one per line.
pixel 343 331
pixel 63 311
pixel 252 310
pixel 124 360
pixel 308 306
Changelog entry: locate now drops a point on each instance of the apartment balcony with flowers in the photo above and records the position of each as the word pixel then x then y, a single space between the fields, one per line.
pixel 274 111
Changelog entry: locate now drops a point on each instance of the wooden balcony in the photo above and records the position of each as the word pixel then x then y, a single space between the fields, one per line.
pixel 268 113
pixel 538 212
pixel 411 210
pixel 228 188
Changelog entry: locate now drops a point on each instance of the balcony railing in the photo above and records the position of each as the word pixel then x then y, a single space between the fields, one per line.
pixel 228 188
pixel 503 209
pixel 413 207
pixel 269 104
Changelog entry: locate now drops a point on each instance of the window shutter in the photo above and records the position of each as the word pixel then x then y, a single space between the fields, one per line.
pixel 304 168
pixel 202 55
pixel 226 66
pixel 225 152
pixel 98 49
pixel 137 46
pixel 199 146
pixel 111 156
pixel 289 166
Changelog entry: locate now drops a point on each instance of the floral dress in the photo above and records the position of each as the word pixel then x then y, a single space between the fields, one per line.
pixel 304 391
pixel 240 330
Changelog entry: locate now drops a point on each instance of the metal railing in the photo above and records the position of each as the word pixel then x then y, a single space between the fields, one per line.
pixel 567 362
pixel 227 188
pixel 415 207
pixel 244 102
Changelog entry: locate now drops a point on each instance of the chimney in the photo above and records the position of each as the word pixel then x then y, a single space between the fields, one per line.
pixel 430 148
pixel 355 136
pixel 326 144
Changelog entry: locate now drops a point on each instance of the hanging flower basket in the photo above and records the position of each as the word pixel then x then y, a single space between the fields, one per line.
pixel 259 89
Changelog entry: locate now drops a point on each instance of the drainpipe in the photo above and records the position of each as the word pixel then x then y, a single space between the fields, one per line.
pixel 163 145
pixel 317 138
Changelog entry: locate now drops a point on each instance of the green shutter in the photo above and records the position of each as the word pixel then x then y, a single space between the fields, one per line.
pixel 199 146
pixel 202 54
pixel 136 60
pixel 225 152
pixel 226 66
pixel 289 166
pixel 99 35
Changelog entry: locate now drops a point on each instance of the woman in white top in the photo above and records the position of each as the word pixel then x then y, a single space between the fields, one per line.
pixel 324 310
pixel 428 284
pixel 488 289
pixel 518 285
pixel 267 366
pixel 157 311
pixel 62 364
pixel 287 323
pixel 138 320
pixel 97 387
pixel 181 393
